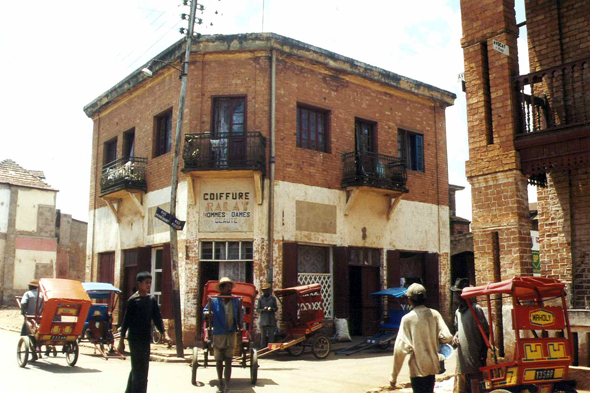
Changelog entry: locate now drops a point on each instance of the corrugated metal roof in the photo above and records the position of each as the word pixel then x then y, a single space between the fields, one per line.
pixel 13 174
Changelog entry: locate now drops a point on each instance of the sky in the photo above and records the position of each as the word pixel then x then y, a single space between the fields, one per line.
pixel 58 56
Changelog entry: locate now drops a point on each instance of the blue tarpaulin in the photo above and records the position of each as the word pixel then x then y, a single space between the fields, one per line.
pixel 394 292
pixel 99 290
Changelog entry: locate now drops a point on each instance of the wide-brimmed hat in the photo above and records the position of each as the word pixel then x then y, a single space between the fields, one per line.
pixel 225 280
pixel 460 283
pixel 34 283
pixel 415 290
pixel 265 286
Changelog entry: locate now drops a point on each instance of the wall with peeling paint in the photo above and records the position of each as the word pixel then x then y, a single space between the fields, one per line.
pixel 27 210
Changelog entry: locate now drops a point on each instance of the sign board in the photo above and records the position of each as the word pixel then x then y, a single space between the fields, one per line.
pixel 501 47
pixel 226 205
pixel 169 219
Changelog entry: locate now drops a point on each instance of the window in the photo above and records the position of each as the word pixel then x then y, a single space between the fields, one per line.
pixel 312 128
pixel 157 262
pixel 110 151
pixel 365 136
pixel 234 259
pixel 411 149
pixel 163 137
pixel 313 259
pixel 129 143
pixel 229 116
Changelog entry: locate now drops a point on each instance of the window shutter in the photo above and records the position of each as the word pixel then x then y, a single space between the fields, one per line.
pixel 144 259
pixel 341 283
pixel 166 301
pixel 393 269
pixel 420 153
pixel 431 280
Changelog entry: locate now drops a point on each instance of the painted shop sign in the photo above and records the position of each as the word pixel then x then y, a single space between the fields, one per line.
pixel 501 47
pixel 227 206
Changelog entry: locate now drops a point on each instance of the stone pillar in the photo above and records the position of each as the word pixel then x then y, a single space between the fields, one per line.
pixel 501 225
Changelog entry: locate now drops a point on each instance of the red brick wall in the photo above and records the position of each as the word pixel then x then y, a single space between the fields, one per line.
pixel 346 101
pixel 247 73
pixel 545 47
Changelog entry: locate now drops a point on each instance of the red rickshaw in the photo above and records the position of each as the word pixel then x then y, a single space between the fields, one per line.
pixel 304 317
pixel 245 355
pixel 543 341
pixel 62 306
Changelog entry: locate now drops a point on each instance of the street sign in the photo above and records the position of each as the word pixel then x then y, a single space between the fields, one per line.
pixel 501 47
pixel 169 219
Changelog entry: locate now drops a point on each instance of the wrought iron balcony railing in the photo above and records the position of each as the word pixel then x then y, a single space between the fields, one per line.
pixel 374 170
pixel 224 151
pixel 554 98
pixel 126 173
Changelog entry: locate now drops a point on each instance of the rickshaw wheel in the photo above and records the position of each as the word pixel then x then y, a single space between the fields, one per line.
pixel 296 350
pixel 22 351
pixel 253 366
pixel 320 347
pixel 53 352
pixel 72 350
pixel 194 366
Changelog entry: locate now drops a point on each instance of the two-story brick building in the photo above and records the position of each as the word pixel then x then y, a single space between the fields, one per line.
pixel 531 128
pixel 299 165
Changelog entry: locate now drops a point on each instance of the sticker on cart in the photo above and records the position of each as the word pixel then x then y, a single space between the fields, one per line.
pixel 541 317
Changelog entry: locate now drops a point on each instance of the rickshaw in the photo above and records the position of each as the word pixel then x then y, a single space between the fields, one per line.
pixel 543 341
pixel 304 317
pixel 62 307
pixel 98 328
pixel 245 355
pixel 388 329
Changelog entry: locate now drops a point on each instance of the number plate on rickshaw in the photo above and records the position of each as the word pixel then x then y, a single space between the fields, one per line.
pixel 545 373
pixel 59 337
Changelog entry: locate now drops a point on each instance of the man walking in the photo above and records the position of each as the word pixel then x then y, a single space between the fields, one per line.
pixel 227 318
pixel 471 347
pixel 142 309
pixel 420 334
pixel 267 322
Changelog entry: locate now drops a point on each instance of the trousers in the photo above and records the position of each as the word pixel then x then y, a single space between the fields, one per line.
pixel 264 330
pixel 140 365
pixel 423 384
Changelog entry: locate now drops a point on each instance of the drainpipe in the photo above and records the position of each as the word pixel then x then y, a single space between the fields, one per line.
pixel 96 182
pixel 271 163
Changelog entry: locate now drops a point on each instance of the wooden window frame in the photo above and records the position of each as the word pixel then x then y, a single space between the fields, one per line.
pixel 326 128
pixel 374 130
pixel 162 147
pixel 406 148
pixel 214 100
pixel 126 138
pixel 110 142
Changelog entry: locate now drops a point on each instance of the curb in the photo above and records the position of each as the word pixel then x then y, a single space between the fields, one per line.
pixel 2 327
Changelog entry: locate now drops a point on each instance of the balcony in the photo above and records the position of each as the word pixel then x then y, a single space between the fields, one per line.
pixel 225 155
pixel 124 174
pixel 224 152
pixel 553 129
pixel 374 170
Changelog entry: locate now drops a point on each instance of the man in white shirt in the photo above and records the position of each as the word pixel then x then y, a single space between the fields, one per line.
pixel 420 334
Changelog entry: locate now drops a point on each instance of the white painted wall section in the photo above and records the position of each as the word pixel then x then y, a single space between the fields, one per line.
pixel 4 209
pixel 27 207
pixel 25 262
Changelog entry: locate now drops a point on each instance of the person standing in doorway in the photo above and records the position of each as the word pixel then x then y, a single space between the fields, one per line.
pixel 420 334
pixel 142 309
pixel 227 316
pixel 267 322
pixel 471 348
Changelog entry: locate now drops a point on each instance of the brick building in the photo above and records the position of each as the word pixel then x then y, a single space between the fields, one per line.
pixel 534 128
pixel 36 240
pixel 340 166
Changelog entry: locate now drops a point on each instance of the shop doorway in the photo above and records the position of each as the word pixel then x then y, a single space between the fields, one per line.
pixel 363 273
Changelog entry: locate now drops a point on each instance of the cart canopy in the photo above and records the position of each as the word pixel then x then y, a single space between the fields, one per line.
pixel 59 288
pixel 100 290
pixel 245 290
pixel 523 287
pixel 393 292
pixel 301 290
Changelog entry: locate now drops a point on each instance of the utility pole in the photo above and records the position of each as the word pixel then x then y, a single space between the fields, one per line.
pixel 174 186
